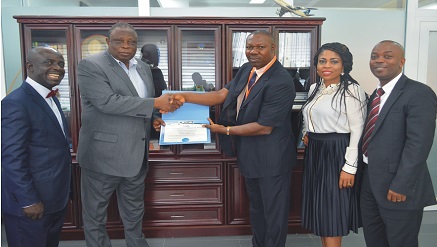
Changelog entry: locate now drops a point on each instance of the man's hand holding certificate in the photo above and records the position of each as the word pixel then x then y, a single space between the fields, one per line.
pixel 184 126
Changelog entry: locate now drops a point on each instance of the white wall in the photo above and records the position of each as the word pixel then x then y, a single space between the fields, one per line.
pixel 432 61
pixel 361 30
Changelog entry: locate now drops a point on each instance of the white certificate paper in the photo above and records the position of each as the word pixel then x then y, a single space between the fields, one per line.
pixel 185 133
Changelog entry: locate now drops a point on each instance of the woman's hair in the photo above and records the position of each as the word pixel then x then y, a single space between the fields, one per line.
pixel 345 79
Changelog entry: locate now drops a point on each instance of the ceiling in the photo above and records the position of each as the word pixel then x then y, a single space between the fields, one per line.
pixel 245 3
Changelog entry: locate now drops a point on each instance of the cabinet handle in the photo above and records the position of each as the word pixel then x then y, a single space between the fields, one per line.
pixel 177 195
pixel 176 173
pixel 177 216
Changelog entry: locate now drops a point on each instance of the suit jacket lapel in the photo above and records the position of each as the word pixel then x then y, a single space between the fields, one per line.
pixel 394 95
pixel 121 73
pixel 238 89
pixel 260 83
pixel 64 120
pixel 36 97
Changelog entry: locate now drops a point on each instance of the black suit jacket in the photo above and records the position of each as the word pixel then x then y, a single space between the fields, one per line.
pixel 400 144
pixel 270 104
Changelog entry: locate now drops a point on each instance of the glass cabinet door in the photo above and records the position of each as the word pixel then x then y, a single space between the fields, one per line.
pixel 239 48
pixel 156 51
pixel 157 39
pixel 198 60
pixel 294 53
pixel 296 48
pixel 198 64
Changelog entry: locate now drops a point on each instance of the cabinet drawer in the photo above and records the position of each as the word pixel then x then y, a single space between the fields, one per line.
pixel 183 194
pixel 183 216
pixel 162 173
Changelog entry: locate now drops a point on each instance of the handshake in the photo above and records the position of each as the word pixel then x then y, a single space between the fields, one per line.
pixel 169 102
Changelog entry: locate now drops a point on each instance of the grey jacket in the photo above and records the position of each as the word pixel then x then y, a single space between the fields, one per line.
pixel 116 122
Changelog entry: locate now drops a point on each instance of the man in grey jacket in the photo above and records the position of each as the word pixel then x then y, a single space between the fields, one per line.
pixel 117 111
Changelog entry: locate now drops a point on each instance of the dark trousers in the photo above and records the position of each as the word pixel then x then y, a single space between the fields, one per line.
pixel 269 206
pixel 387 227
pixel 22 231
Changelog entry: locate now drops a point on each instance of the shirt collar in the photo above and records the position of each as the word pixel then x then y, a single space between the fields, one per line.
pixel 43 91
pixel 390 85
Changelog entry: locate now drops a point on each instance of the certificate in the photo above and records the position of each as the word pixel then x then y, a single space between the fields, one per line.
pixel 185 133
pixel 184 126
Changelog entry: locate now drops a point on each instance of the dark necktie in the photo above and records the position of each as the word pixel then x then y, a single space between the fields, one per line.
pixel 52 93
pixel 371 119
pixel 252 80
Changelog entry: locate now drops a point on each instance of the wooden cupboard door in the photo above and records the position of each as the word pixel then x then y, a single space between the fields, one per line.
pixel 238 201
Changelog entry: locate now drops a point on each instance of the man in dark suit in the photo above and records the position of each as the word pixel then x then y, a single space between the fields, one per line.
pixel 36 160
pixel 258 115
pixel 396 184
pixel 118 101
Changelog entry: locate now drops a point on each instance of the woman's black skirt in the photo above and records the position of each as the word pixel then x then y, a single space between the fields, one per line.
pixel 326 210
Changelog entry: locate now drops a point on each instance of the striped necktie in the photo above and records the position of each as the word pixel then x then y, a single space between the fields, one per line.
pixel 252 80
pixel 371 119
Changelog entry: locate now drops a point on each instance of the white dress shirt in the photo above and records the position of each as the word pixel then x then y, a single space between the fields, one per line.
pixel 322 115
pixel 134 76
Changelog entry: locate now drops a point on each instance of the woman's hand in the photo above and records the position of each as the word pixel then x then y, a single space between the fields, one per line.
pixel 305 139
pixel 346 180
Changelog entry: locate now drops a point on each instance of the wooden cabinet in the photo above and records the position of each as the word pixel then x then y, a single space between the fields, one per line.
pixel 190 189
pixel 185 194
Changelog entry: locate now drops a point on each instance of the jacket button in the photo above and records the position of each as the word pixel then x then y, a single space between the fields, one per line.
pixel 143 139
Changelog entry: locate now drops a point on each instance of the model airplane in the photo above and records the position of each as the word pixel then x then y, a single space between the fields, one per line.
pixel 298 10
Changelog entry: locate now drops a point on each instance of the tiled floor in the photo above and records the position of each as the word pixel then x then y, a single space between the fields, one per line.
pixel 427 238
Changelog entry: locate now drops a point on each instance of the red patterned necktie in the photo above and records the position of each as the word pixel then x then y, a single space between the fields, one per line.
pixel 371 119
pixel 52 93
